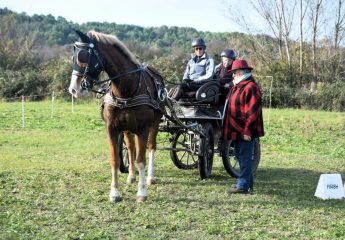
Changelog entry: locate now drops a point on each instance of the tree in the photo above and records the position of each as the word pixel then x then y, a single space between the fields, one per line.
pixel 339 24
pixel 280 22
pixel 339 31
pixel 315 11
pixel 301 18
pixel 16 45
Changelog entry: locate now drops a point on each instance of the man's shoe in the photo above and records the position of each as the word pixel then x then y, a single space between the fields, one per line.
pixel 235 190
pixel 251 188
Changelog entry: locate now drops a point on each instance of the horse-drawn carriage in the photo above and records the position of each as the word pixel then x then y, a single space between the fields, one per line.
pixel 195 127
pixel 135 102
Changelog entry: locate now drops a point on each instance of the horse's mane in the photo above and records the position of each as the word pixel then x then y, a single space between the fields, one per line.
pixel 115 42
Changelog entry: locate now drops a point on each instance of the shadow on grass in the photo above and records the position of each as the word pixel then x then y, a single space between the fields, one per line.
pixel 293 186
pixel 192 178
pixel 290 187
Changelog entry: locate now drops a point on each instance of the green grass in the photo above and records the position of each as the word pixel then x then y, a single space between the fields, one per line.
pixel 55 181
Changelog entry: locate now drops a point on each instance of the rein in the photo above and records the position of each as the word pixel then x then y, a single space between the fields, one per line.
pixel 118 76
pixel 104 91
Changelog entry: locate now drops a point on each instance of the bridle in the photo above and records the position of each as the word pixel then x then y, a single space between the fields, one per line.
pixel 87 63
pixel 94 66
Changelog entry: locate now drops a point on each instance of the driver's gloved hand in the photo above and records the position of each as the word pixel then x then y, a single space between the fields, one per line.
pixel 197 81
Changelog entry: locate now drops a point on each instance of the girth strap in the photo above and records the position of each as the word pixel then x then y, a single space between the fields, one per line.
pixel 138 100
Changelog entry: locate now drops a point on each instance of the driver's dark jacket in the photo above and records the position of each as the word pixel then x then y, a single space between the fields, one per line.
pixel 244 111
pixel 223 74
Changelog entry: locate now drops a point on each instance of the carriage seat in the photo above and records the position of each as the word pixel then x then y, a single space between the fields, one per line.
pixel 207 93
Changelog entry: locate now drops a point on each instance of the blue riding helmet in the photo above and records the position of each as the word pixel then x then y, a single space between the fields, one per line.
pixel 229 54
pixel 199 42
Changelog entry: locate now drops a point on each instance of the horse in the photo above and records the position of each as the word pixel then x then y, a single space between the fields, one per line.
pixel 133 105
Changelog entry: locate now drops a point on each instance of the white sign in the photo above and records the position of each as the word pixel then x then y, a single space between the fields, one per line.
pixel 330 186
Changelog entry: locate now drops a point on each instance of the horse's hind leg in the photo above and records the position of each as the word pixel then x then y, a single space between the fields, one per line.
pixel 151 147
pixel 114 161
pixel 130 144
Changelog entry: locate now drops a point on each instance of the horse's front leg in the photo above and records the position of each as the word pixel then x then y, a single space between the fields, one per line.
pixel 114 195
pixel 141 143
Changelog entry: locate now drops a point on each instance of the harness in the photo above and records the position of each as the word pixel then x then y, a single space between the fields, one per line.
pixel 135 101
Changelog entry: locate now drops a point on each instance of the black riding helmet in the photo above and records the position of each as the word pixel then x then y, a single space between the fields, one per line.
pixel 229 54
pixel 199 42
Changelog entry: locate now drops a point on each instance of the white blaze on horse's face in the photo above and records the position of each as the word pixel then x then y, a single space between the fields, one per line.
pixel 75 86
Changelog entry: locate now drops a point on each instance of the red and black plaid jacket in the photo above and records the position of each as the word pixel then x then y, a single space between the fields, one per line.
pixel 244 112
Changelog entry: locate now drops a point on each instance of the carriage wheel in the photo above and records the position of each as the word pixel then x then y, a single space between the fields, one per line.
pixel 181 153
pixel 124 158
pixel 207 146
pixel 230 162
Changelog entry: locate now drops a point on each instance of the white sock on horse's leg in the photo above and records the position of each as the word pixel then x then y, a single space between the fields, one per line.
pixel 151 168
pixel 142 189
pixel 114 195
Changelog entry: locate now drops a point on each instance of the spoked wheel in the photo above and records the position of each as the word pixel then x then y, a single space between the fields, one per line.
pixel 230 161
pixel 124 158
pixel 182 150
pixel 207 148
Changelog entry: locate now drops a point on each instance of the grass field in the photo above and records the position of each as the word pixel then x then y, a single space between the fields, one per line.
pixel 55 181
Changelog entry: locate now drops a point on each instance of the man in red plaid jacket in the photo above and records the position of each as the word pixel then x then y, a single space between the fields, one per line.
pixel 243 122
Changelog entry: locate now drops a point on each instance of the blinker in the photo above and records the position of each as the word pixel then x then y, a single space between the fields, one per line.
pixel 88 62
pixel 83 56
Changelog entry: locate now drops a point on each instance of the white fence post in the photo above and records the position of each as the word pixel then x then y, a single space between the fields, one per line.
pixel 53 98
pixel 72 104
pixel 23 111
pixel 269 110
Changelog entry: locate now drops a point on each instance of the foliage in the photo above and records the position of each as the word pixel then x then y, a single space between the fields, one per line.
pixel 329 97
pixel 55 180
pixel 35 52
pixel 52 76
pixel 25 82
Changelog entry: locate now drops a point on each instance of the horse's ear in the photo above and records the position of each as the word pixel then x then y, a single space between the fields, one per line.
pixel 83 37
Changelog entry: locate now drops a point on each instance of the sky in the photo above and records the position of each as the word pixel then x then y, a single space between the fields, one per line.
pixel 203 15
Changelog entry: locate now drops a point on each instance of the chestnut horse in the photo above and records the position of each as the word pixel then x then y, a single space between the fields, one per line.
pixel 133 105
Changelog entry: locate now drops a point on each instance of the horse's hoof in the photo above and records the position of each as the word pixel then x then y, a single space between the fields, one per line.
pixel 141 199
pixel 151 181
pixel 115 199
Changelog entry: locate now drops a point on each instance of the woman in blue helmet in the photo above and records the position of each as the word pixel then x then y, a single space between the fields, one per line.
pixel 223 70
pixel 224 74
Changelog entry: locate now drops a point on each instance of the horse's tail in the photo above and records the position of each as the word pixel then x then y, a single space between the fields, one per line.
pixel 102 111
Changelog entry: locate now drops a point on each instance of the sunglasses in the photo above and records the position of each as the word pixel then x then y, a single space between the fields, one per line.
pixel 198 48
